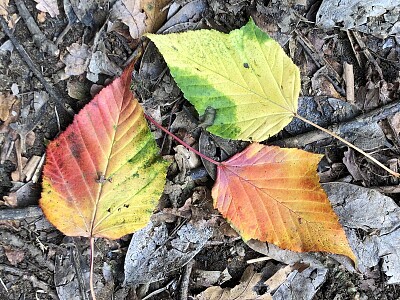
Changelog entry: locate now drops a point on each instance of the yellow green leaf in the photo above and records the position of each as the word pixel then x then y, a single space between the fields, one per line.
pixel 244 75
pixel 103 175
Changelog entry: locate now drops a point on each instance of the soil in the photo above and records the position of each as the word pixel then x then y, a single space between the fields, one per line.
pixel 35 257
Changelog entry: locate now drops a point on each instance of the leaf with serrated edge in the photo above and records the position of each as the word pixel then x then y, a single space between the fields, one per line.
pixel 273 194
pixel 244 75
pixel 103 176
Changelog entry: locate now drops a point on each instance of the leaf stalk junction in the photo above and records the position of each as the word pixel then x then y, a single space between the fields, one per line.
pixel 296 115
pixel 154 122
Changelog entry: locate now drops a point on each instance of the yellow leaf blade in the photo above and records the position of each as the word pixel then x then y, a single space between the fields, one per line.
pixel 244 75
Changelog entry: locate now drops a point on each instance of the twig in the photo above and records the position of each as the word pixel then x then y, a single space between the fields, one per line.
pixel 30 167
pixel 36 175
pixel 12 270
pixel 260 259
pixel 63 33
pixel 20 213
pixel 24 55
pixel 92 268
pixel 75 254
pixel 38 37
pixel 356 54
pixel 160 290
pixel 366 52
pixel 186 280
pixel 388 189
pixel 4 286
pixel 316 57
pixel 136 53
pixel 58 119
pixel 9 151
pixel 18 152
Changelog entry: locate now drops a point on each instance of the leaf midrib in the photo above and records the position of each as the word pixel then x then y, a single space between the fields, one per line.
pixel 114 133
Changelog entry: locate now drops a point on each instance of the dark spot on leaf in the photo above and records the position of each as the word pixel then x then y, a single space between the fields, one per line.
pixel 76 150
pixel 71 136
pixel 126 205
pixel 109 210
pixel 246 65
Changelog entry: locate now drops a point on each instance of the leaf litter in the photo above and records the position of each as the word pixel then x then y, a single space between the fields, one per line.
pixel 163 115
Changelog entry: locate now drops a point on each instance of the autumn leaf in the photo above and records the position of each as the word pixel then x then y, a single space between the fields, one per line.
pixel 103 176
pixel 244 75
pixel 273 194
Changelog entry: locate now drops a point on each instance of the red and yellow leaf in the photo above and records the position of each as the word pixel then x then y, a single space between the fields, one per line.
pixel 103 176
pixel 273 194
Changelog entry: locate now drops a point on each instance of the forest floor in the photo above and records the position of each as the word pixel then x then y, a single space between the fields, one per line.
pixel 350 77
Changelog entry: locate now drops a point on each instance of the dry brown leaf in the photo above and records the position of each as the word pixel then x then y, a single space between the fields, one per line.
pixel 12 20
pixel 6 103
pixel 41 17
pixel 101 64
pixel 14 256
pixel 49 6
pixel 155 12
pixel 278 278
pixel 244 290
pixel 3 7
pixel 11 199
pixel 130 13
pixel 77 60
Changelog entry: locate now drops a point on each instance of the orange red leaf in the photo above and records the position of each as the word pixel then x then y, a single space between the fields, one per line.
pixel 273 194
pixel 103 176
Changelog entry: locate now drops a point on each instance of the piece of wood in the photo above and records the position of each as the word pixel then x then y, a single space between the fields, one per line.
pixel 348 76
pixel 30 167
pixel 38 37
pixel 20 213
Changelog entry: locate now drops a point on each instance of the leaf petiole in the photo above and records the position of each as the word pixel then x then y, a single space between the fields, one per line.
pixel 349 145
pixel 180 141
